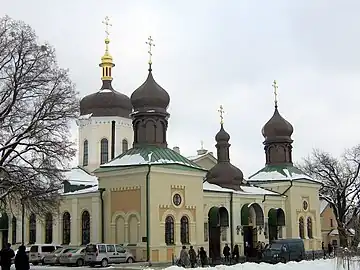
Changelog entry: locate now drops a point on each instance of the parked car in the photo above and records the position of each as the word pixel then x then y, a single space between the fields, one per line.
pixel 73 257
pixel 38 251
pixel 105 254
pixel 53 257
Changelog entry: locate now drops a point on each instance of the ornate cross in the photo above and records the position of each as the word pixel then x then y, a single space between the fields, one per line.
pixel 221 111
pixel 202 144
pixel 107 24
pixel 275 91
pixel 151 44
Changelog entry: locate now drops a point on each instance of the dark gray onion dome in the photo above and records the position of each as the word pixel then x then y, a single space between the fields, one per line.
pixel 224 173
pixel 277 128
pixel 106 102
pixel 150 95
pixel 222 135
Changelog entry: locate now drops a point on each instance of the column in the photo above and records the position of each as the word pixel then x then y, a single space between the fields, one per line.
pixel 40 232
pixel 75 237
pixel 177 234
pixel 95 220
pixel 192 230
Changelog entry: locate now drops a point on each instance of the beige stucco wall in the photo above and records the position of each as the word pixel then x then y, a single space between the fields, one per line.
pixel 296 194
pixel 75 205
pixel 165 182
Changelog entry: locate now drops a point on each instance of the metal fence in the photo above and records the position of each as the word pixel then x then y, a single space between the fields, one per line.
pixel 347 259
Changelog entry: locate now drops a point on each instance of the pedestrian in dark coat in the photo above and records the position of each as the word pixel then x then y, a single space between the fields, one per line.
pixel 6 254
pixel 226 253
pixel 192 255
pixel 21 259
pixel 203 257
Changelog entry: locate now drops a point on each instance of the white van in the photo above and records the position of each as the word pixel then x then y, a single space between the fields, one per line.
pixel 38 251
pixel 105 254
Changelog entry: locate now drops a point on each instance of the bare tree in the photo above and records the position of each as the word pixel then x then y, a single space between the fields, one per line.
pixel 37 103
pixel 340 185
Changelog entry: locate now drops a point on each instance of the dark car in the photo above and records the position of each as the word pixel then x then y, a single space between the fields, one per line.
pixel 284 250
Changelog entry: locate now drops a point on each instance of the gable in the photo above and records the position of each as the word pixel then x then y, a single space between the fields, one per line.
pixel 206 161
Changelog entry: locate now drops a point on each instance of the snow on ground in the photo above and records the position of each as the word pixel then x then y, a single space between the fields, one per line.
pixel 303 265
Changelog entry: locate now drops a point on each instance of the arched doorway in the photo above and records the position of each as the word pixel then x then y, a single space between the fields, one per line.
pixel 252 221
pixel 4 228
pixel 276 220
pixel 218 219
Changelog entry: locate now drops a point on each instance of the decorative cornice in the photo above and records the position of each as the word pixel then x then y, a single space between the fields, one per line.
pixel 125 188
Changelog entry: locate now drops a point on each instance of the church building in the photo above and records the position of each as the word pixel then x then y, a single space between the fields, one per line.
pixel 129 188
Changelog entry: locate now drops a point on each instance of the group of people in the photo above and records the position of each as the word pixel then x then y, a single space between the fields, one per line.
pixel 330 249
pixel 21 258
pixel 191 258
pixel 228 255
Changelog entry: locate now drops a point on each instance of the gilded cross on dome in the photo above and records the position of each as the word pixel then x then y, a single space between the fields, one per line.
pixel 275 92
pixel 151 44
pixel 107 24
pixel 221 111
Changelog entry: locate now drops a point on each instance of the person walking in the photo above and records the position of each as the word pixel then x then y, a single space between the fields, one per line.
pixel 236 254
pixel 22 259
pixel 226 253
pixel 6 254
pixel 184 257
pixel 203 257
pixel 192 255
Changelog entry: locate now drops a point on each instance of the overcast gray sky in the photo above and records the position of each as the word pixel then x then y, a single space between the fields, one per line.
pixel 221 52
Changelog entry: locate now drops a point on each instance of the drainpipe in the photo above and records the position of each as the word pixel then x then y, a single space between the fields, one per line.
pixel 231 221
pixel 102 215
pixel 22 221
pixel 282 194
pixel 147 198
pixel 112 139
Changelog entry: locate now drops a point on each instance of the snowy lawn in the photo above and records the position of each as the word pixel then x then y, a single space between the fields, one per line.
pixel 303 265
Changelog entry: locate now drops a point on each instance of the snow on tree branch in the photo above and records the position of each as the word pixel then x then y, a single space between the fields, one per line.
pixel 37 103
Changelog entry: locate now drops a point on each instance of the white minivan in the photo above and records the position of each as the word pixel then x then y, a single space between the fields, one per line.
pixel 105 254
pixel 37 252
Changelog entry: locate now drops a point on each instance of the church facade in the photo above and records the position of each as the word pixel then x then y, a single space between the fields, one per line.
pixel 131 189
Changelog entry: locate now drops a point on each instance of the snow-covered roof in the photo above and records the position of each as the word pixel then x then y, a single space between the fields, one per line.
pixel 150 155
pixel 251 190
pixel 78 176
pixel 85 116
pixel 194 158
pixel 323 205
pixel 82 191
pixel 279 173
pixel 335 232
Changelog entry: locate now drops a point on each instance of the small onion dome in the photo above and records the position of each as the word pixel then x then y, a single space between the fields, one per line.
pixel 222 135
pixel 277 128
pixel 150 95
pixel 106 102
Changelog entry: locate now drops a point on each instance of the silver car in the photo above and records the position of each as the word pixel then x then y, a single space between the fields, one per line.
pixel 53 257
pixel 105 254
pixel 75 256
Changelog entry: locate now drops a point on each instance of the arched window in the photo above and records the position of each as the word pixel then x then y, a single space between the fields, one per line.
pixel 125 145
pixel 104 151
pixel 85 228
pixel 86 153
pixel 184 230
pixel 13 230
pixel 32 229
pixel 66 228
pixel 169 230
pixel 48 228
pixel 301 228
pixel 309 227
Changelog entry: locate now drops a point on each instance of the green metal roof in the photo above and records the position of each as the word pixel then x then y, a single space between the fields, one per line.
pixel 150 155
pixel 279 173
